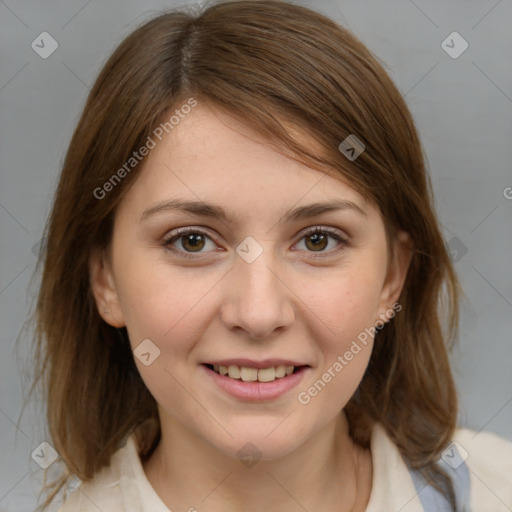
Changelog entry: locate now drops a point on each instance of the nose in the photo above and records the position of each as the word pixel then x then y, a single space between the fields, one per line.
pixel 258 300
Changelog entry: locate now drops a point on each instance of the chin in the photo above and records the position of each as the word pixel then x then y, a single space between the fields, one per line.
pixel 262 443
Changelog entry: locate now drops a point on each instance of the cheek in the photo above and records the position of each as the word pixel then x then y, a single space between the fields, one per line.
pixel 347 312
pixel 159 300
pixel 168 307
pixel 345 304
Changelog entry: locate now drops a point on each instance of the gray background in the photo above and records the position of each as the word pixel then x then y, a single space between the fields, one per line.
pixel 463 110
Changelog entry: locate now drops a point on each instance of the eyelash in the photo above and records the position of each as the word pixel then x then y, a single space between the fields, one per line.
pixel 317 230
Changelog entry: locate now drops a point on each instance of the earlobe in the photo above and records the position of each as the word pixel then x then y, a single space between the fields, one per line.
pixel 103 288
pixel 397 271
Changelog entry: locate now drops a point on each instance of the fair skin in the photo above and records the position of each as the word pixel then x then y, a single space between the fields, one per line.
pixel 291 302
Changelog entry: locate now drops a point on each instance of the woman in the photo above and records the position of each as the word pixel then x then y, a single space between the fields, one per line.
pixel 244 280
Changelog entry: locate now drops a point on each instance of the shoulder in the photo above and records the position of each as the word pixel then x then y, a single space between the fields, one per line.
pixel 478 463
pixel 104 491
pixel 488 458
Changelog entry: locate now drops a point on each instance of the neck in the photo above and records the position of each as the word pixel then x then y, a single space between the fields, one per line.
pixel 327 473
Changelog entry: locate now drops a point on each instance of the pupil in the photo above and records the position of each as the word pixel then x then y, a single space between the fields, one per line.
pixel 317 240
pixel 194 241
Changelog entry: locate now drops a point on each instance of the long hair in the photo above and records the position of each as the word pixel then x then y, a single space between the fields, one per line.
pixel 271 65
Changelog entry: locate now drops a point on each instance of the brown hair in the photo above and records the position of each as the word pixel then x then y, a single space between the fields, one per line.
pixel 264 62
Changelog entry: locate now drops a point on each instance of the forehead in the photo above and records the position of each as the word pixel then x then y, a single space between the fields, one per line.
pixel 209 156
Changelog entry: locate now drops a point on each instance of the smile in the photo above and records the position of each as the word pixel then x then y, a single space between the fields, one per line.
pixel 248 383
pixel 248 374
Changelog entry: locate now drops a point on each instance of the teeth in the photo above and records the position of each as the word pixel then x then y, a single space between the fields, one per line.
pixel 266 374
pixel 234 372
pixel 253 374
pixel 280 371
pixel 248 374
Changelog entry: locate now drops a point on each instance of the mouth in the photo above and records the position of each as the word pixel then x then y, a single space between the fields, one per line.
pixel 252 374
pixel 255 381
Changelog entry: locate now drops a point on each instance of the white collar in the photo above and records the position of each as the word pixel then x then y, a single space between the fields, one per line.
pixel 392 486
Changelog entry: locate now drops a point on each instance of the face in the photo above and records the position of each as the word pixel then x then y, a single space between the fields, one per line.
pixel 257 291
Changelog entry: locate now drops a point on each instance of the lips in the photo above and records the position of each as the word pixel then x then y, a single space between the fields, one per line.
pixel 249 383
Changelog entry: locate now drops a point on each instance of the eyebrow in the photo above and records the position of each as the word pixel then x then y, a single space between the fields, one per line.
pixel 204 209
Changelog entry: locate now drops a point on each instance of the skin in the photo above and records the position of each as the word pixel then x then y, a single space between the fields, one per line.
pixel 288 303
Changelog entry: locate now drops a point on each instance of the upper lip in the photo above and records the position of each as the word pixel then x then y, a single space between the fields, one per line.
pixel 250 363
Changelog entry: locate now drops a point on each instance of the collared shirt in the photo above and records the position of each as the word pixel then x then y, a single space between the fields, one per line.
pixel 480 464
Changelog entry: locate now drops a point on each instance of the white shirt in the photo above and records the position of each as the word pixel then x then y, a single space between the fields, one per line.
pixel 123 486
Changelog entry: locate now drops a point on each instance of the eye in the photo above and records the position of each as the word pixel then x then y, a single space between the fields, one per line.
pixel 187 241
pixel 317 240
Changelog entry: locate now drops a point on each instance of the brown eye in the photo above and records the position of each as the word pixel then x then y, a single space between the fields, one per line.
pixel 186 242
pixel 193 242
pixel 318 242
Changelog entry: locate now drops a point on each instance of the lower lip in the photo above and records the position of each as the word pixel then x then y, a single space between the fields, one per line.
pixel 257 391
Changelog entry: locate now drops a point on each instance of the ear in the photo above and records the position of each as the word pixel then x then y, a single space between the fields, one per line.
pixel 401 255
pixel 103 288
